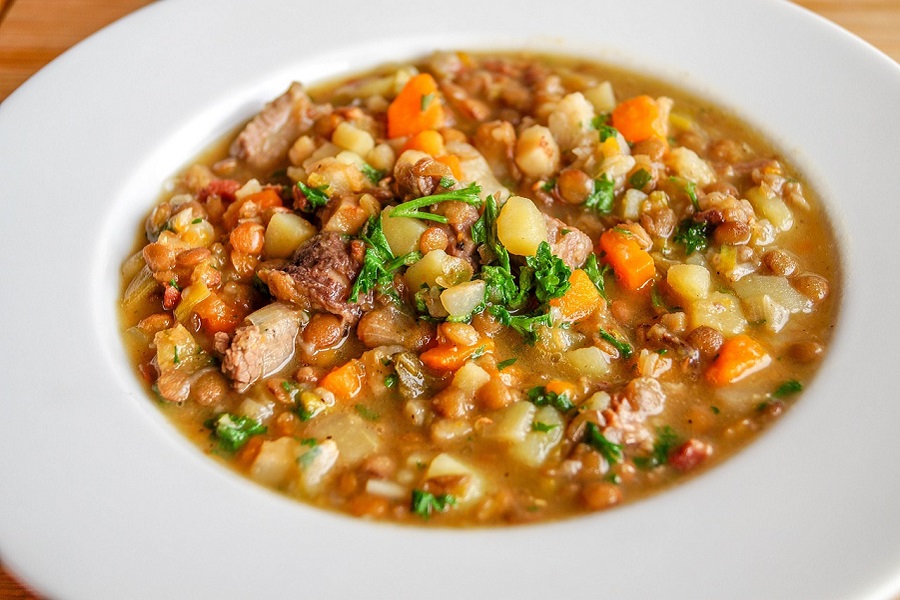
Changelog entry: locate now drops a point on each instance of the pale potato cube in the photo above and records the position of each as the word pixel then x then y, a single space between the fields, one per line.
pixel 315 463
pixel 771 207
pixel 402 233
pixel 690 282
pixel 719 311
pixel 538 444
pixel 521 226
pixel 602 96
pixel 688 165
pixel 438 268
pixel 381 157
pixel 776 287
pixel 590 361
pixel 472 485
pixel 570 120
pixel 349 137
pixel 275 462
pixel 537 152
pixel 461 300
pixel 285 233
pixel 632 200
pixel 511 423
pixel 470 377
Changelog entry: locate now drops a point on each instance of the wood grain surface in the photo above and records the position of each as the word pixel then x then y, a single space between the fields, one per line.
pixel 34 32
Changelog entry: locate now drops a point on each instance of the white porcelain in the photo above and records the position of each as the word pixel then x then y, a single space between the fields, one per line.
pixel 101 498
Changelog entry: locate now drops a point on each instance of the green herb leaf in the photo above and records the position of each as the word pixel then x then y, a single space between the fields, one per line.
pixel 374 175
pixel 550 273
pixel 315 196
pixel 426 101
pixel 506 363
pixel 666 441
pixel 690 188
pixel 391 380
pixel 595 439
pixel 543 427
pixel 469 194
pixel 693 235
pixel 549 185
pixel 624 348
pixel 425 503
pixel 233 431
pixel 379 263
pixel 602 196
pixel 525 325
pixel 366 413
pixel 539 396
pixel 639 179
pixel 788 388
pixel 597 274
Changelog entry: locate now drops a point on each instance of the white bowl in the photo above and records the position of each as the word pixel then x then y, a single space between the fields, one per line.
pixel 101 497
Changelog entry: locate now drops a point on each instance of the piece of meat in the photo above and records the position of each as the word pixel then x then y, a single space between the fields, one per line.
pixel 625 418
pixel 571 245
pixel 266 139
pixel 223 188
pixel 257 351
pixel 319 277
pixel 421 178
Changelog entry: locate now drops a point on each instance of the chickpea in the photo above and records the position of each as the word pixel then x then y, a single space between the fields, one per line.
pixel 495 394
pixel 159 257
pixel 653 147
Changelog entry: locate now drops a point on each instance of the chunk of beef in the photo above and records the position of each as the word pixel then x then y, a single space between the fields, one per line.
pixel 319 277
pixel 625 418
pixel 259 351
pixel 421 178
pixel 266 139
pixel 571 245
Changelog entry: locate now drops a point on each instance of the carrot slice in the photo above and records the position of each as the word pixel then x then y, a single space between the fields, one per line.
pixel 416 108
pixel 739 357
pixel 450 357
pixel 267 198
pixel 428 141
pixel 345 381
pixel 217 315
pixel 452 161
pixel 580 300
pixel 637 119
pixel 561 388
pixel 632 265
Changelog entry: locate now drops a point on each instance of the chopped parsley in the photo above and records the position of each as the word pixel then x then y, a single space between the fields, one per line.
pixel 366 413
pixel 379 263
pixel 624 348
pixel 539 396
pixel 426 101
pixel 666 441
pixel 506 363
pixel 543 427
pixel 603 195
pixel 469 194
pixel 690 188
pixel 788 388
pixel 391 380
pixel 597 274
pixel 693 235
pixel 715 409
pixel 316 197
pixel 549 185
pixel 595 439
pixel 233 431
pixel 550 273
pixel 525 325
pixel 425 503
pixel 374 175
pixel 197 220
pixel 639 179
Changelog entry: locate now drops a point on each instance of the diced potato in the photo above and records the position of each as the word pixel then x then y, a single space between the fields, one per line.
pixel 409 157
pixel 275 462
pixel 475 167
pixel 472 485
pixel 350 158
pixel 537 445
pixel 174 346
pixel 258 411
pixel 301 150
pixel 446 431
pixel 438 268
pixel 251 187
pixel 771 207
pixel 349 137
pixel 381 157
pixel 470 377
pixel 602 96
pixel 537 152
pixel 315 464
pixel 521 226
pixel 771 314
pixel 326 150
pixel 191 296
pixel 690 282
pixel 590 361
pixel 632 200
pixel 285 233
pixel 355 437
pixel 461 300
pixel 570 120
pixel 386 489
pixel 688 165
pixel 402 233
pixel 777 288
pixel 511 423
pixel 597 401
pixel 719 311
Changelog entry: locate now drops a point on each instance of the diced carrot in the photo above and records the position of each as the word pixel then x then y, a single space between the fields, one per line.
pixel 416 108
pixel 738 357
pixel 248 237
pixel 217 315
pixel 345 381
pixel 561 388
pixel 580 300
pixel 632 265
pixel 450 357
pixel 428 141
pixel 452 161
pixel 248 453
pixel 267 198
pixel 637 119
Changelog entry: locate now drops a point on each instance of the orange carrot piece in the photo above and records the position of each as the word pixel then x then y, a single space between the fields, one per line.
pixel 452 161
pixel 345 381
pixel 217 315
pixel 428 141
pixel 739 357
pixel 637 119
pixel 580 300
pixel 416 108
pixel 267 198
pixel 561 388
pixel 632 264
pixel 450 357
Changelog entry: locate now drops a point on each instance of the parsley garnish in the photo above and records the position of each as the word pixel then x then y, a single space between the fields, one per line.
pixel 543 427
pixel 315 196
pixel 233 431
pixel 690 188
pixel 549 185
pixel 715 409
pixel 694 235
pixel 595 439
pixel 526 325
pixel 624 348
pixel 366 413
pixel 666 441
pixel 391 380
pixel 603 195
pixel 426 101
pixel 379 262
pixel 597 274
pixel 788 388
pixel 539 396
pixel 425 503
pixel 550 273
pixel 469 194
pixel 639 179
pixel 506 363
pixel 374 175
pixel 197 220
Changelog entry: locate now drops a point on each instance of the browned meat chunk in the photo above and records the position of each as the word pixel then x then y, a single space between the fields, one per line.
pixel 320 276
pixel 571 245
pixel 421 178
pixel 265 140
pixel 257 352
pixel 628 410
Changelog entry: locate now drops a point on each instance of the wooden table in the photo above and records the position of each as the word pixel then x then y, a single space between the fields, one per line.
pixel 34 32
